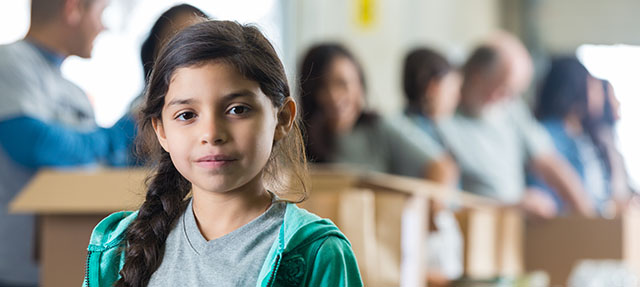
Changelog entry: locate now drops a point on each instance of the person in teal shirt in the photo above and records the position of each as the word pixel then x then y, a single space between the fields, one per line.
pixel 220 126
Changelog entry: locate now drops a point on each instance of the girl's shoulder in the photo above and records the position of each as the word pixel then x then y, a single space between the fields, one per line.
pixel 111 230
pixel 301 227
pixel 314 252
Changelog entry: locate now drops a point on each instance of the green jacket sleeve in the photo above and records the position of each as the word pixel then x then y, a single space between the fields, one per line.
pixel 335 265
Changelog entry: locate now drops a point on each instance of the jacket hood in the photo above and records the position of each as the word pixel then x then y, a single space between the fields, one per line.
pixel 111 230
pixel 301 227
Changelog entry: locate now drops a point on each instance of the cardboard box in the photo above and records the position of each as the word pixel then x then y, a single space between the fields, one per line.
pixel 492 242
pixel 69 205
pixel 381 204
pixel 555 246
pixel 377 221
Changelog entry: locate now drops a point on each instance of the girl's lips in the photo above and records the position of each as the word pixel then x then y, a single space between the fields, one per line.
pixel 214 161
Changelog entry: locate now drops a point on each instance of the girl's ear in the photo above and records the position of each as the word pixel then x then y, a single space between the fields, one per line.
pixel 159 129
pixel 286 117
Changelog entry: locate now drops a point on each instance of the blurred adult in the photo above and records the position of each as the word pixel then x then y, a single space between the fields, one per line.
pixel 47 121
pixel 494 137
pixel 168 24
pixel 571 106
pixel 432 89
pixel 621 186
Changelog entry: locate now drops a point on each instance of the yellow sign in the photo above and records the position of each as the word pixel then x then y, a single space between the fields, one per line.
pixel 366 13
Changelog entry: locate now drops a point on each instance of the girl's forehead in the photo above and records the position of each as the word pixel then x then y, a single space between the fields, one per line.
pixel 211 80
pixel 210 74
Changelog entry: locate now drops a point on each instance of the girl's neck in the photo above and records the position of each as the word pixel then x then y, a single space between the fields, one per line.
pixel 218 214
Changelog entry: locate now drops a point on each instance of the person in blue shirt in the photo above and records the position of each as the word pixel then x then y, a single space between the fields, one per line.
pixel 570 105
pixel 47 121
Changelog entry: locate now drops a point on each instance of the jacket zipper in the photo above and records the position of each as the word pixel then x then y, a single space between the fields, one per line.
pixel 273 272
pixel 86 270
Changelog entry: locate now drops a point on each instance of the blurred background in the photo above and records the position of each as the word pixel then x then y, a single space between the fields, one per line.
pixel 602 34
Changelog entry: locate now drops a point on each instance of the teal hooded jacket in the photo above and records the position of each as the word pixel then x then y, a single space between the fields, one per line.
pixel 309 251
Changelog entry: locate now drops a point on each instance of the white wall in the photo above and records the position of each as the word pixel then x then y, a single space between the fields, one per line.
pixel 452 26
pixel 565 25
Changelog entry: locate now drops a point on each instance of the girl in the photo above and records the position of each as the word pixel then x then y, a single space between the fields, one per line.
pixel 340 130
pixel 219 118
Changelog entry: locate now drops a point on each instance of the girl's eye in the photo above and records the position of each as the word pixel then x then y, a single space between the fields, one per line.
pixel 239 110
pixel 185 116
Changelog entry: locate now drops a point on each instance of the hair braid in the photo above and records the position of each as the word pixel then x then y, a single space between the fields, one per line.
pixel 146 235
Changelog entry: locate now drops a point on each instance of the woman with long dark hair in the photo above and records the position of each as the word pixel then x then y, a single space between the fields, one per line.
pixel 571 106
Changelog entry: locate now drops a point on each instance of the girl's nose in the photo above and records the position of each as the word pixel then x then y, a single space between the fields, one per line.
pixel 214 133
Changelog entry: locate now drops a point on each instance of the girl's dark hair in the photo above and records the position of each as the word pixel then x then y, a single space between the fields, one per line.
pixel 250 53
pixel 159 33
pixel 564 91
pixel 313 70
pixel 420 67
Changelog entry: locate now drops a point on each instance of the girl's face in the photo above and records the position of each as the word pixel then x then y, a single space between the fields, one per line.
pixel 219 127
pixel 442 95
pixel 342 96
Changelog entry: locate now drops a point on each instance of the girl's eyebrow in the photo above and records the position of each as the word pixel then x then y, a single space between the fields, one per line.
pixel 178 102
pixel 237 94
pixel 228 97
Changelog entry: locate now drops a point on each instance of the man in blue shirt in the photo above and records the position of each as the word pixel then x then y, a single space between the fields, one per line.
pixel 47 121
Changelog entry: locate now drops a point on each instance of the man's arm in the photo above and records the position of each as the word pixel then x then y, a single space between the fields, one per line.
pixel 444 170
pixel 34 143
pixel 560 176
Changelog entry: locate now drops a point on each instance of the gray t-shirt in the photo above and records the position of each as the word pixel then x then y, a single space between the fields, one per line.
pixel 394 147
pixel 30 85
pixel 234 259
pixel 492 150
